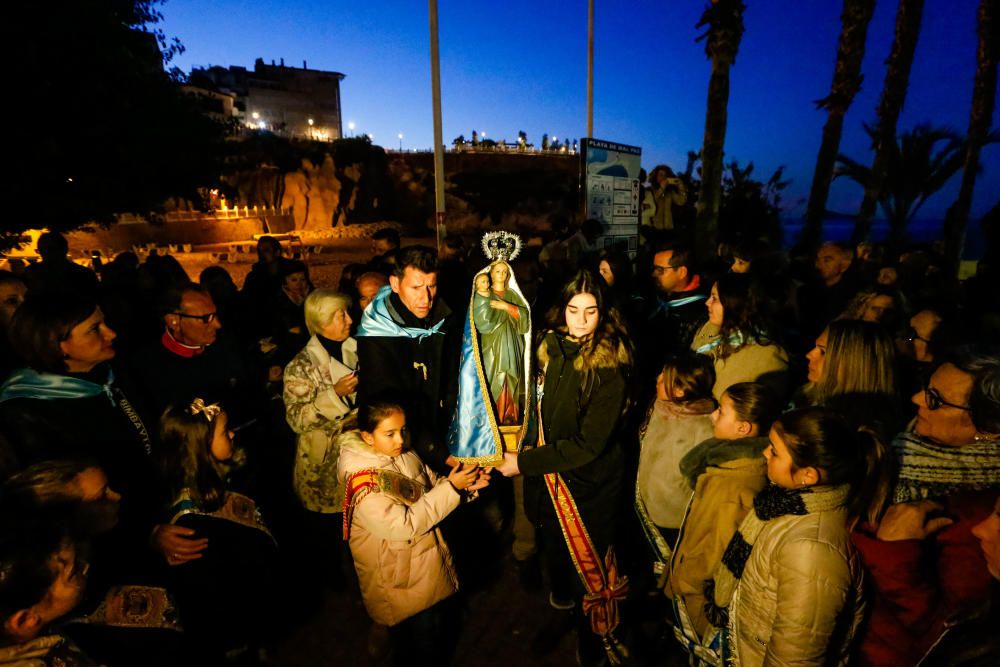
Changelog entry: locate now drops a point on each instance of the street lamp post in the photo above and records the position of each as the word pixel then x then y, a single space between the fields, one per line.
pixel 400 135
pixel 350 126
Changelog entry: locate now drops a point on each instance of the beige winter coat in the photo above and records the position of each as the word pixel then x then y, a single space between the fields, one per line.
pixel 316 413
pixel 402 561
pixel 767 364
pixel 722 497
pixel 799 601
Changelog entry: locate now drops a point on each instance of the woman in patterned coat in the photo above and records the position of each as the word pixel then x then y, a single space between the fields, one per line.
pixel 320 393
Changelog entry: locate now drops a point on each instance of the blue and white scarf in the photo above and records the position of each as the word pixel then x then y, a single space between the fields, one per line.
pixel 377 320
pixel 29 383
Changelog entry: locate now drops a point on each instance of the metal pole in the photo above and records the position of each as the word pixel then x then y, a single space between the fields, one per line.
pixel 438 133
pixel 590 68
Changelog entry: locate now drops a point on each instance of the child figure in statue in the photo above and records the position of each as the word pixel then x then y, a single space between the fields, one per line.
pixel 502 319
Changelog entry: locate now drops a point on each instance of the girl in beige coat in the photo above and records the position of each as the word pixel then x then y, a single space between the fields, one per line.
pixel 393 505
pixel 789 590
pixel 738 339
pixel 725 472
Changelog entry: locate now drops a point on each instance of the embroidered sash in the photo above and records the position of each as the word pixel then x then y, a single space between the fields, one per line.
pixel 237 509
pixel 378 480
pixel 657 542
pixel 605 587
pixel 135 607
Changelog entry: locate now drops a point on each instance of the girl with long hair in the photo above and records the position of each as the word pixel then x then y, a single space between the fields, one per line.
pixel 585 358
pixel 226 593
pixel 852 371
pixel 738 339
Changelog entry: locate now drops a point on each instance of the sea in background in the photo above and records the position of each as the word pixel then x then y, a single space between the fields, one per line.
pixel 919 231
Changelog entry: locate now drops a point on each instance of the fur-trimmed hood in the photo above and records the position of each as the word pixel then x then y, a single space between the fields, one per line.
pixel 607 354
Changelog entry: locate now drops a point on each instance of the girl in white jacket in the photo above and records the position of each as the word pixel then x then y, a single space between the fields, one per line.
pixel 393 505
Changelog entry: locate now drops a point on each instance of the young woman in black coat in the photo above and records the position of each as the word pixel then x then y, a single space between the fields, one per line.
pixel 585 357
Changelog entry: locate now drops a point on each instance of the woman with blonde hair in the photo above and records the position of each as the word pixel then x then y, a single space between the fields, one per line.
pixel 320 392
pixel 852 370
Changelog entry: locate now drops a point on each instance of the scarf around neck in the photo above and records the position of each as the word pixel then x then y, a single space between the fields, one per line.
pixel 771 503
pixel 930 470
pixel 29 383
pixel 377 320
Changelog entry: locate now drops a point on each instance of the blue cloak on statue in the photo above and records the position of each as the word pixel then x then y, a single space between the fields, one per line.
pixel 490 341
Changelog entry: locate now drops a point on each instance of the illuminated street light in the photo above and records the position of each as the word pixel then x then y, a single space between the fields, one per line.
pixel 350 126
pixel 311 122
pixel 400 135
pixel 371 137
pixel 261 124
pixel 255 115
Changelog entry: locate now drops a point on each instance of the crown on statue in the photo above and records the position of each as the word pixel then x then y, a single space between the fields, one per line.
pixel 501 246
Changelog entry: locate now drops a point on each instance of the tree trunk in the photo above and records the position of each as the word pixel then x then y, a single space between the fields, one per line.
pixel 724 19
pixel 847 80
pixel 707 221
pixel 897 80
pixel 984 90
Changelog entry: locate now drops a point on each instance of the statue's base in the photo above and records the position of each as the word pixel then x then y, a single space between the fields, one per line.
pixel 510 436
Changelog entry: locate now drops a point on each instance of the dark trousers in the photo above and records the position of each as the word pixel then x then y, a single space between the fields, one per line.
pixel 423 639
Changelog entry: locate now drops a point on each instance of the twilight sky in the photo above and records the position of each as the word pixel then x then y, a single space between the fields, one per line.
pixel 520 65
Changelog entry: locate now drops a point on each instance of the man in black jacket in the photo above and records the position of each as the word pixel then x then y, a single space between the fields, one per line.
pixel 672 314
pixel 408 346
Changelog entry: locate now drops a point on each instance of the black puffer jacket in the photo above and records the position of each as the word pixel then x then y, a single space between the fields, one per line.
pixel 582 432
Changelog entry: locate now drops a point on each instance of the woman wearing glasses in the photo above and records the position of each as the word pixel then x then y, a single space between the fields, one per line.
pixel 923 560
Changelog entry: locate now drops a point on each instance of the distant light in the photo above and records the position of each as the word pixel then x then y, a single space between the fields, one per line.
pixel 371 137
pixel 350 125
pixel 400 135
pixel 555 138
pixel 311 122
pixel 255 115
pixel 261 124
pixel 69 180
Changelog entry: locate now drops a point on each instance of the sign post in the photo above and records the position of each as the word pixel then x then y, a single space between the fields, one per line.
pixel 611 191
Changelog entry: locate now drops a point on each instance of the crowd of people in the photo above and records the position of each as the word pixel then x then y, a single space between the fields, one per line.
pixel 776 460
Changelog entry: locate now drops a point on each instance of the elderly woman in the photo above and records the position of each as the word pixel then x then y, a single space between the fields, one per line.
pixel 319 394
pixel 741 347
pixel 922 557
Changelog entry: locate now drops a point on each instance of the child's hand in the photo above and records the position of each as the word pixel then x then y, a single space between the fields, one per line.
pixel 482 480
pixel 462 477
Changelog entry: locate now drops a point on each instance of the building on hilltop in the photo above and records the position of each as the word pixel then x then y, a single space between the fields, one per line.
pixel 295 102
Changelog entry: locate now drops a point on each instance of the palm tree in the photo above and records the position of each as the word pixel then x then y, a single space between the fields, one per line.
pixel 984 91
pixel 724 22
pixel 897 80
pixel 917 166
pixel 847 78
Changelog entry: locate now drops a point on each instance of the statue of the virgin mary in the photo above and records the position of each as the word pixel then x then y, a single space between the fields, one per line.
pixel 494 408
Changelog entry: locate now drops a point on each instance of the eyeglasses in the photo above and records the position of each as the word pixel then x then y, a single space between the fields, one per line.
pixel 208 318
pixel 660 270
pixel 934 401
pixel 911 335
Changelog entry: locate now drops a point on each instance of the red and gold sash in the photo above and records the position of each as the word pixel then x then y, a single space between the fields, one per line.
pixel 377 480
pixel 606 587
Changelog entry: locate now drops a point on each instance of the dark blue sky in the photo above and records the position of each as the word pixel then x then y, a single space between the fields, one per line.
pixel 519 65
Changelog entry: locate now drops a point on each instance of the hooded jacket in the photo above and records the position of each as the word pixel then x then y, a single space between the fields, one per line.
pixel 726 475
pixel 402 561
